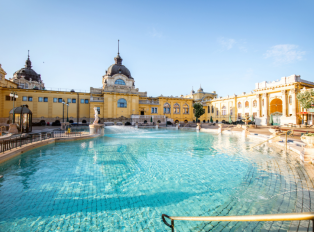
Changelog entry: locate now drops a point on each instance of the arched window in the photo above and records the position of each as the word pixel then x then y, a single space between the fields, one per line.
pixel 290 99
pixel 247 104
pixel 239 105
pixel 185 109
pixel 122 103
pixel 208 109
pixel 254 103
pixel 224 110
pixel 217 112
pixel 166 108
pixel 176 108
pixel 212 109
pixel 119 82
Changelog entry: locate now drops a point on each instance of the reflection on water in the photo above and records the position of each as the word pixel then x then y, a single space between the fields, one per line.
pixel 128 178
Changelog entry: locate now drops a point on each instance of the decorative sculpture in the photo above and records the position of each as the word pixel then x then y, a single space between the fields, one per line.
pixel 96 116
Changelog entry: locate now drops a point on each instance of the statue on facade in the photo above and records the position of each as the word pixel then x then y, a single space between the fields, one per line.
pixel 96 116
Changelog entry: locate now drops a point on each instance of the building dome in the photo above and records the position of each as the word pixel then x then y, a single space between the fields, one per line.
pixel 200 90
pixel 117 67
pixel 27 72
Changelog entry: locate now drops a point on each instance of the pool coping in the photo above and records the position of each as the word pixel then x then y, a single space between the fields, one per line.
pixel 7 155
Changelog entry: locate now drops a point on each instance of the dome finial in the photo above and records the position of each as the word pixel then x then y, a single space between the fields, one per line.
pixel 118 59
pixel 28 63
pixel 118 47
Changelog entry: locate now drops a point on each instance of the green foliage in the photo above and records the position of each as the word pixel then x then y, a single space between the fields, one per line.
pixel 309 134
pixel 211 119
pixel 199 110
pixel 306 99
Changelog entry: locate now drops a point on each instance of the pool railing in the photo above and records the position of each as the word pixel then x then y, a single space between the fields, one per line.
pixel 244 218
pixel 8 144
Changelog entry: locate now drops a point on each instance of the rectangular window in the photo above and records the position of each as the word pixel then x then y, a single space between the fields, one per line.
pixel 45 99
pixel 7 98
pixel 30 99
pixel 239 116
pixel 55 99
pixel 82 101
pixel 98 109
pixel 60 100
pixel 22 86
pixel 40 99
pixel 69 100
pixel 154 110
pixel 230 111
pixel 24 98
pixel 73 100
pixel 217 112
pixel 86 101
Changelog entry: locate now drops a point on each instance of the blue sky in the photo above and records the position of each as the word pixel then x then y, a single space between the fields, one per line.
pixel 169 46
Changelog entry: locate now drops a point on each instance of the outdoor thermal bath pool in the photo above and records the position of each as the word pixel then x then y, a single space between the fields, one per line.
pixel 125 181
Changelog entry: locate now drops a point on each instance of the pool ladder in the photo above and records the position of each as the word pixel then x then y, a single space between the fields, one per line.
pixel 246 218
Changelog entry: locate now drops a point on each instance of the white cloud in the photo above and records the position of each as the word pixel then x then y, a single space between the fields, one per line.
pixel 155 33
pixel 226 43
pixel 284 53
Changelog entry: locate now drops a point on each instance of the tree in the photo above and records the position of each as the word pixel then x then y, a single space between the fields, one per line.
pixel 199 110
pixel 306 99
pixel 211 119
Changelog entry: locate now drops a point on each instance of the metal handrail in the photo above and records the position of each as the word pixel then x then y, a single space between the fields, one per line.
pixel 246 218
pixel 284 133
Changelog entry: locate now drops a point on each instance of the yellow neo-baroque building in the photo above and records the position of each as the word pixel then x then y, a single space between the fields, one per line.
pixel 120 101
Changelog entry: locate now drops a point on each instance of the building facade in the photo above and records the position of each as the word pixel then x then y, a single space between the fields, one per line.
pixel 120 101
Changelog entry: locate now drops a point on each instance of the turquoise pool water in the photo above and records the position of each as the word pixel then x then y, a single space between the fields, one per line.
pixel 125 181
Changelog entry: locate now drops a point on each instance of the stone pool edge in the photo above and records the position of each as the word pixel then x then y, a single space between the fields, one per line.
pixel 18 151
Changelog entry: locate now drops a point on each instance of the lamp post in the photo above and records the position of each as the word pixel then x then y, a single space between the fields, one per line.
pixel 63 109
pixel 14 96
pixel 67 112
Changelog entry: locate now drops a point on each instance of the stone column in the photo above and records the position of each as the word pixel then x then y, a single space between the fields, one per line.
pixel 265 110
pixel 294 108
pixel 258 99
pixel 284 103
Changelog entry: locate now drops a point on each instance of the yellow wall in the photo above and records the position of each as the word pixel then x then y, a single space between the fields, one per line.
pixel 111 109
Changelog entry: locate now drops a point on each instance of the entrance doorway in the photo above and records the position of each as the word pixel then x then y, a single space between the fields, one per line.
pixel 142 112
pixel 276 111
pixel 276 118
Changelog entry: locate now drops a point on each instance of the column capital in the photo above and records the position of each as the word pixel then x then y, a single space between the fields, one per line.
pixel 265 94
pixel 257 95
pixel 293 91
pixel 283 92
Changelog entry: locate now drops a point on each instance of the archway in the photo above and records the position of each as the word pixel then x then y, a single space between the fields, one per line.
pixel 185 121
pixel 276 111
pixel 177 121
